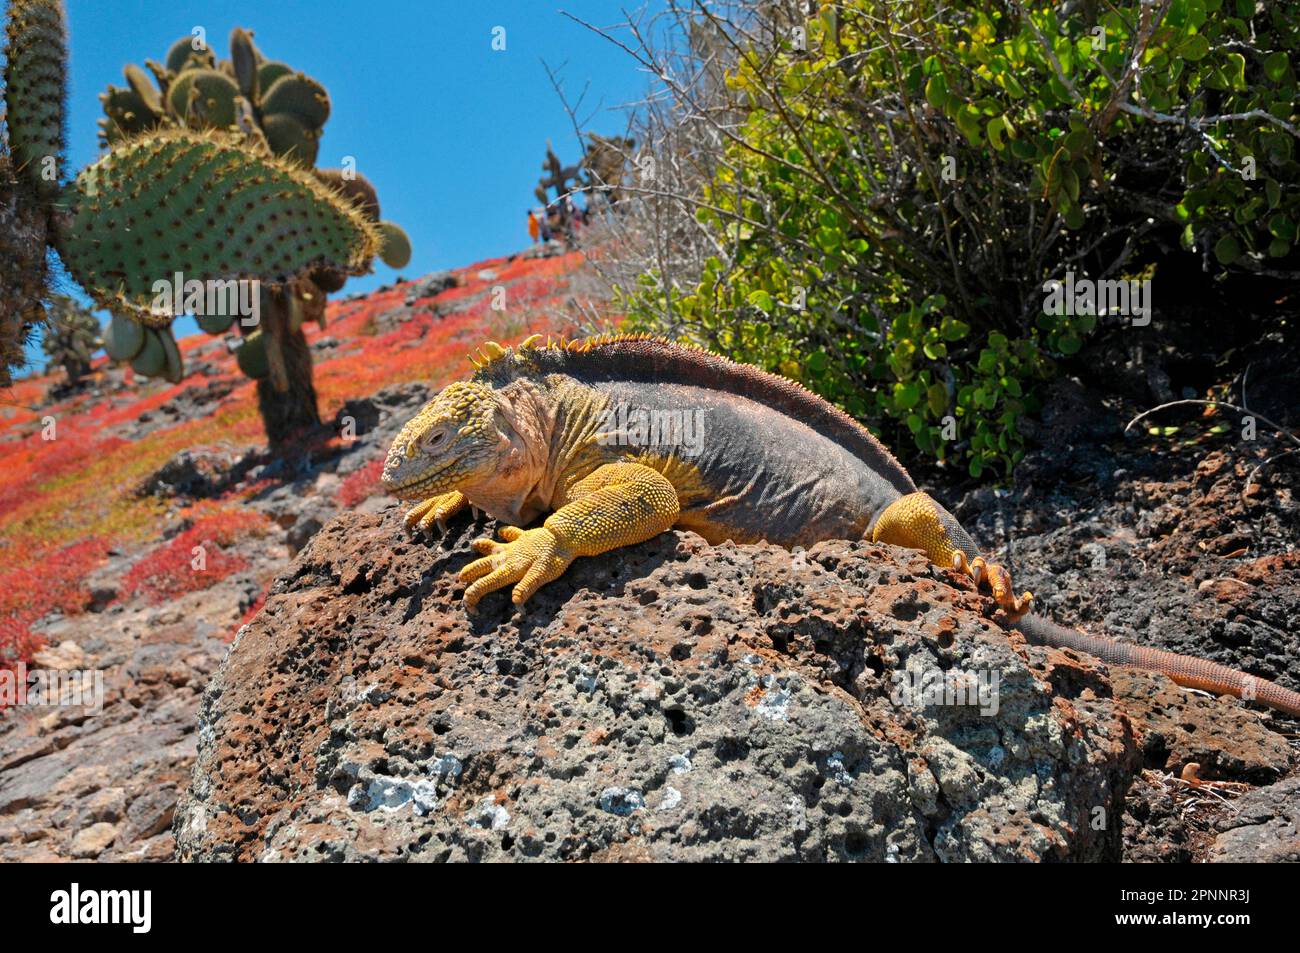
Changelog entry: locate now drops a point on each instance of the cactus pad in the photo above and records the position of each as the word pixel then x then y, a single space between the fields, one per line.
pixel 143 87
pixel 215 323
pixel 152 359
pixel 204 205
pixel 270 71
pixel 251 356
pixel 356 187
pixel 300 96
pixel 244 60
pixel 160 356
pixel 183 55
pixel 396 251
pixel 36 87
pixel 289 138
pixel 203 97
pixel 126 114
pixel 125 338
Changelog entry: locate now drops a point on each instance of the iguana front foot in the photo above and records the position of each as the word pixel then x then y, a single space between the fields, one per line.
pixel 529 557
pixel 617 504
pixel 435 510
pixel 999 582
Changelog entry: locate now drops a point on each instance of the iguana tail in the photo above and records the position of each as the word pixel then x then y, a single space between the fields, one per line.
pixel 1183 669
pixel 916 521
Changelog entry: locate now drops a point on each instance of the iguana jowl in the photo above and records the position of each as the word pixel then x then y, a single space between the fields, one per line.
pixel 537 431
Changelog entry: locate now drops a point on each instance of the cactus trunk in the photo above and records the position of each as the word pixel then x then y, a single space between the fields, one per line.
pixel 22 269
pixel 76 368
pixel 286 398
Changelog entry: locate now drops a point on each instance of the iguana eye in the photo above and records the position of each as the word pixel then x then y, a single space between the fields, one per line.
pixel 435 438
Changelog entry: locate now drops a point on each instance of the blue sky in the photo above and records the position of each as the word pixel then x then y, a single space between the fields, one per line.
pixel 451 132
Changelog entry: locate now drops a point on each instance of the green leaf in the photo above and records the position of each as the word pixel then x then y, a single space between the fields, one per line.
pixel 936 397
pixel 1274 193
pixel 968 121
pixel 1227 250
pixel 953 330
pixel 936 91
pixel 994 131
pixel 908 395
pixel 1279 226
pixel 1275 66
pixel 1194 48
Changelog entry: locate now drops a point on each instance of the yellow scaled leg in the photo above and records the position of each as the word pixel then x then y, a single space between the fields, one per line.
pixel 436 509
pixel 617 505
pixel 917 522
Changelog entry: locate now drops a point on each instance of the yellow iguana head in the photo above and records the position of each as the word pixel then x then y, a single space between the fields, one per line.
pixel 454 442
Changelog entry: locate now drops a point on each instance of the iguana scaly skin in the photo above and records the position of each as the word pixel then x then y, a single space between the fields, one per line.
pixel 557 429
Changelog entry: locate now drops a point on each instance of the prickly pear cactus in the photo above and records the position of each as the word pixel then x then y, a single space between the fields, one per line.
pixel 275 109
pixel 266 101
pixel 210 175
pixel 30 157
pixel 36 54
pixel 71 337
pixel 200 204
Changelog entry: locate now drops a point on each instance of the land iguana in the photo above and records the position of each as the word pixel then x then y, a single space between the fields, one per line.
pixel 557 429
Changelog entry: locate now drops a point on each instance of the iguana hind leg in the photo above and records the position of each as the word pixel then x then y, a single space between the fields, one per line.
pixel 617 505
pixel 918 522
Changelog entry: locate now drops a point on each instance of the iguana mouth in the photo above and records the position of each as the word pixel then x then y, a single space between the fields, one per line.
pixel 417 487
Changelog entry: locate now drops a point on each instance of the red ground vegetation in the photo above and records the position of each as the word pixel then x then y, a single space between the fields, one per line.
pixel 65 502
pixel 27 594
pixel 360 484
pixel 193 559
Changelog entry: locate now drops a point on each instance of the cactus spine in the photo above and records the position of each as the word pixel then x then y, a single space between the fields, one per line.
pixel 197 203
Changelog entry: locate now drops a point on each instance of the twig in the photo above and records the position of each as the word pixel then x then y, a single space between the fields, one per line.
pixel 1215 403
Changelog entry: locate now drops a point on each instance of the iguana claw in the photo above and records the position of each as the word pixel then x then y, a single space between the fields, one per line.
pixel 530 558
pixel 999 582
pixel 435 510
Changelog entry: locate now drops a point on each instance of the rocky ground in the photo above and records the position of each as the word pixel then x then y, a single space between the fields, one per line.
pixel 685 701
pixel 1191 542
pixel 696 703
pixel 682 702
pixel 105 786
pixel 77 786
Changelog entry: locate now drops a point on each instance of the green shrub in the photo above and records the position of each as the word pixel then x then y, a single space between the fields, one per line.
pixel 900 190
